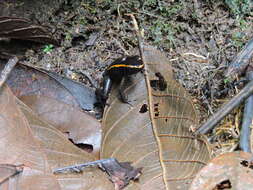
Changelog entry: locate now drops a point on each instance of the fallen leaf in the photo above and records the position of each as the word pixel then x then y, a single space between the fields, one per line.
pixel 21 28
pixel 38 11
pixel 18 145
pixel 84 95
pixel 27 140
pixel 81 127
pixel 225 170
pixel 153 131
pixel 120 173
pixel 26 80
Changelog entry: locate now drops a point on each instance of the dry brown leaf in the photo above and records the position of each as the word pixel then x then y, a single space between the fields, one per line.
pixel 19 146
pixel 9 176
pixel 26 139
pixel 21 28
pixel 226 169
pixel 81 127
pixel 26 80
pixel 163 146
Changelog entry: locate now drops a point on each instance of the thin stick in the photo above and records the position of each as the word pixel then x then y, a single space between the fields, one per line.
pixel 247 119
pixel 226 109
pixel 7 70
pixel 139 35
pixel 80 167
pixel 241 61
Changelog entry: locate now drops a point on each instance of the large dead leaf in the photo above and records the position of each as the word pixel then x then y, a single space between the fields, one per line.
pixel 81 127
pixel 163 145
pixel 38 11
pixel 26 20
pixel 20 28
pixel 226 170
pixel 26 139
pixel 26 80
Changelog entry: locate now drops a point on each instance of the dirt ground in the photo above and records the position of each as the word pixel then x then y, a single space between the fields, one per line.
pixel 200 38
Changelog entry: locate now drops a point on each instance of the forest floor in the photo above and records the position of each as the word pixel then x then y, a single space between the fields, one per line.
pixel 200 38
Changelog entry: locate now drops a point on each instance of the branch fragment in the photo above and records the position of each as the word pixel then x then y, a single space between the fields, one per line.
pixel 120 173
pixel 226 109
pixel 241 61
pixel 247 118
pixel 7 70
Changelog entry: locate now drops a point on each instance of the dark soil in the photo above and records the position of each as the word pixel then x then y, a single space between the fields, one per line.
pixel 200 38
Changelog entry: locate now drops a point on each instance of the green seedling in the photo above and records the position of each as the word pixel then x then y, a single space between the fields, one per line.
pixel 48 48
pixel 226 81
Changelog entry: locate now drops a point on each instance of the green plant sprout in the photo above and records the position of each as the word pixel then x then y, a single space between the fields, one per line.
pixel 226 80
pixel 48 48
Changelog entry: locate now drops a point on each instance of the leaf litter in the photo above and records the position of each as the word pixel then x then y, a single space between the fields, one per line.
pixel 212 33
pixel 79 126
pixel 41 148
pixel 226 171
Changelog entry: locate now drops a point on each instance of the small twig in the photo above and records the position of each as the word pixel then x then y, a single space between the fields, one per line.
pixel 208 106
pixel 240 63
pixel 226 109
pixel 152 15
pixel 138 33
pixel 195 55
pixel 247 119
pixel 7 70
pixel 79 167
pixel 120 46
pixel 119 173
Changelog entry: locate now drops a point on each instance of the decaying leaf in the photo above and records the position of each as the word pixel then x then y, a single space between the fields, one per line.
pixel 120 173
pixel 84 95
pixel 227 170
pixel 37 11
pixel 81 128
pixel 8 176
pixel 25 22
pixel 26 80
pixel 19 146
pixel 20 28
pixel 39 147
pixel 153 130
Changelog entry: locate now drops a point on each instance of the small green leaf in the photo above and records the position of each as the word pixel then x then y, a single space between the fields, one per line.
pixel 226 80
pixel 48 48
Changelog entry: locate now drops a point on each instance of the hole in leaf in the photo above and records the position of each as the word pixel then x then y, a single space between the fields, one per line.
pixel 159 84
pixel 166 120
pixel 156 109
pixel 144 108
pixel 86 147
pixel 246 163
pixel 226 184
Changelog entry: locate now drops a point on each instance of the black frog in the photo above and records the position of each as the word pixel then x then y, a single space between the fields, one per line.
pixel 119 72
